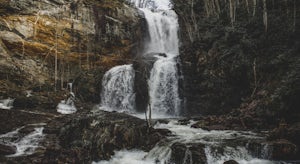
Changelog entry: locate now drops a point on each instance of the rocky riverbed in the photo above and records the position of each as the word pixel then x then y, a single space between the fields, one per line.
pixel 81 137
pixel 238 74
pixel 95 135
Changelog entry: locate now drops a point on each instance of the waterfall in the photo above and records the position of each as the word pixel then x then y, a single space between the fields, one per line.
pixel 163 28
pixel 163 88
pixel 163 83
pixel 117 88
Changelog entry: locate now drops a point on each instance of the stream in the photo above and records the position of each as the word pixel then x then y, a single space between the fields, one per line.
pixel 25 144
pixel 218 146
pixel 186 145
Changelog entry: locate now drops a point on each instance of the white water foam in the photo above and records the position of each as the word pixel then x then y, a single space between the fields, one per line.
pixel 117 89
pixel 25 145
pixel 239 154
pixel 128 157
pixel 216 149
pixel 215 140
pixel 163 4
pixel 187 134
pixel 152 4
pixel 158 155
pixel 6 103
pixel 67 106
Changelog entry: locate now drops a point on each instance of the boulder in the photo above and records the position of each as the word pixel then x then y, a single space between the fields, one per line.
pixel 95 136
pixel 231 162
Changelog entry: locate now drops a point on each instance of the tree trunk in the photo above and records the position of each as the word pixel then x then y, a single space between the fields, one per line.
pixel 55 69
pixel 255 78
pixel 295 15
pixel 247 6
pixel 231 10
pixel 218 7
pixel 87 51
pixel 254 7
pixel 265 14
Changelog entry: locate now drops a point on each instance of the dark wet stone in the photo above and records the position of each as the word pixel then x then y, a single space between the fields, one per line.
pixel 96 137
pixel 7 150
pixel 184 121
pixel 27 129
pixel 162 54
pixel 13 119
pixel 26 102
pixel 283 150
pixel 231 162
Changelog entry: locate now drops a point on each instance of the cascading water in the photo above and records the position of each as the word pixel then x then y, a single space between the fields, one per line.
pixel 25 145
pixel 163 39
pixel 163 82
pixel 163 88
pixel 219 146
pixel 117 88
pixel 118 94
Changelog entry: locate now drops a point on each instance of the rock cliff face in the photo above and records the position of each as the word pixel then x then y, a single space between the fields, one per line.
pixel 241 55
pixel 43 43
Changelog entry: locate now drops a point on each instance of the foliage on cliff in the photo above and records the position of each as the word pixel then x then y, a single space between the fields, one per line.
pixel 241 55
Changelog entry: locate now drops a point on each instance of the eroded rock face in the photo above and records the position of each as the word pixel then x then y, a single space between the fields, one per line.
pixel 83 35
pixel 142 66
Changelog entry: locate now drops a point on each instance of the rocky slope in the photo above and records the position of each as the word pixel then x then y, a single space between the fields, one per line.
pixel 46 44
pixel 240 60
pixel 241 55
